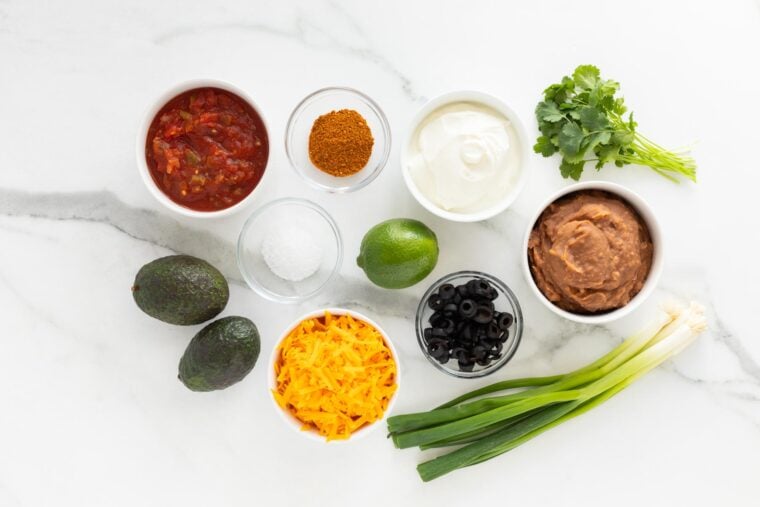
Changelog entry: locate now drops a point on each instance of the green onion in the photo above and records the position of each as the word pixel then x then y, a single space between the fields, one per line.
pixel 486 427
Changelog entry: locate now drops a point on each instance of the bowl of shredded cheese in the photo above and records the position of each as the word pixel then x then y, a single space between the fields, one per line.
pixel 334 375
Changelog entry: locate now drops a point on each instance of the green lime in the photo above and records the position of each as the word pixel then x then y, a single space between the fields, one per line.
pixel 398 253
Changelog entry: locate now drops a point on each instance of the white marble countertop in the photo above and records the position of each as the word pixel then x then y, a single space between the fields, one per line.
pixel 91 412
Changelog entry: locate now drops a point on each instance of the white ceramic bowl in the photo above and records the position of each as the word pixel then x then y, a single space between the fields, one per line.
pixel 294 423
pixel 657 259
pixel 142 136
pixel 521 144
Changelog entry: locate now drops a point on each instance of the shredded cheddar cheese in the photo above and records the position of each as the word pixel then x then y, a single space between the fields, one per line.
pixel 335 374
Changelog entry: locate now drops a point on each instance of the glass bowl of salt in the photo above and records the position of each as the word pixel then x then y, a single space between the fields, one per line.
pixel 289 250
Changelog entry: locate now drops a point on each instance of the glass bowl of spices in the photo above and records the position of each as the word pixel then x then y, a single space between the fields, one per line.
pixel 469 324
pixel 338 139
pixel 289 250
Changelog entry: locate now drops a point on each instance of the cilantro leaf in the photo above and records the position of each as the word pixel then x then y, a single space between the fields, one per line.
pixel 548 111
pixel 544 146
pixel 593 119
pixel 586 76
pixel 597 138
pixel 571 170
pixel 570 138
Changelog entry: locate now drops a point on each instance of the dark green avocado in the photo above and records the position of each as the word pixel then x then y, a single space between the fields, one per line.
pixel 180 289
pixel 220 355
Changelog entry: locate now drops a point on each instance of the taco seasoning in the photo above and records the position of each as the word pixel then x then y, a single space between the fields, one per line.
pixel 340 143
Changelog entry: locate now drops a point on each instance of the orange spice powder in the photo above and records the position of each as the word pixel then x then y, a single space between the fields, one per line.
pixel 340 143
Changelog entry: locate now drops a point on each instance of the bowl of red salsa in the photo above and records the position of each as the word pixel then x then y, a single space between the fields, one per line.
pixel 203 148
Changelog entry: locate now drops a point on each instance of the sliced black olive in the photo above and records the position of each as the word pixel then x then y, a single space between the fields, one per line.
pixel 466 365
pixel 456 299
pixel 443 357
pixel 488 304
pixel 447 325
pixel 435 302
pixel 479 352
pixel 462 290
pixel 493 331
pixel 427 333
pixel 446 291
pixel 484 315
pixel 493 293
pixel 449 309
pixel 479 288
pixel 466 333
pixel 504 336
pixel 437 332
pixel 436 319
pixel 496 349
pixel 459 353
pixel 485 361
pixel 505 320
pixel 467 308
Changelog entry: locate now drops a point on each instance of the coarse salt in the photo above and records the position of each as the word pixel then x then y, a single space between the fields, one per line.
pixel 292 252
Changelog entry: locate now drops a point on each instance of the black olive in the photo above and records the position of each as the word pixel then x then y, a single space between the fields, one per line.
pixel 479 288
pixel 504 336
pixel 488 304
pixel 479 352
pixel 449 309
pixel 466 365
pixel 505 320
pixel 467 308
pixel 462 290
pixel 466 333
pixel 493 331
pixel 493 293
pixel 447 325
pixel 496 349
pixel 456 299
pixel 435 302
pixel 437 332
pixel 438 349
pixel 459 353
pixel 484 315
pixel 485 361
pixel 427 333
pixel 446 291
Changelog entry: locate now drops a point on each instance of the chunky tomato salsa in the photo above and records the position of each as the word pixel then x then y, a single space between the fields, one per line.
pixel 207 149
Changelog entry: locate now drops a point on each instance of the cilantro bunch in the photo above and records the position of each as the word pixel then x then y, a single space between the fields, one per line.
pixel 581 118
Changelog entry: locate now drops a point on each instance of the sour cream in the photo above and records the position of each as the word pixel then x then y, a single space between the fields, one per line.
pixel 464 157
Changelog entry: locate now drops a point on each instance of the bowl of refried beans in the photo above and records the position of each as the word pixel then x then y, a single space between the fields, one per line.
pixel 593 252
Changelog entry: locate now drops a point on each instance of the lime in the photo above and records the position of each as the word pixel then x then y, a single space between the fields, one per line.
pixel 398 253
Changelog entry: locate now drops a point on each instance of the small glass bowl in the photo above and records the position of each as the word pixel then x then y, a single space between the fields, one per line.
pixel 506 302
pixel 322 102
pixel 278 213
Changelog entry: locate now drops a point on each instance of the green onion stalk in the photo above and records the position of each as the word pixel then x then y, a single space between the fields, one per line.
pixel 486 426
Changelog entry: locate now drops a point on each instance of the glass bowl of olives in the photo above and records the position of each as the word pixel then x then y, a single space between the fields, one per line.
pixel 469 324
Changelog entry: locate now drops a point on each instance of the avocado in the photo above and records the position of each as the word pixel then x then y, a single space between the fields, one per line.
pixel 180 289
pixel 221 354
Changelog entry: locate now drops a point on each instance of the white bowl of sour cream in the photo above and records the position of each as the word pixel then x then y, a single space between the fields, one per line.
pixel 464 156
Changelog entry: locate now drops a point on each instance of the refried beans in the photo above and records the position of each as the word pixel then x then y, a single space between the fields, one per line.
pixel 590 252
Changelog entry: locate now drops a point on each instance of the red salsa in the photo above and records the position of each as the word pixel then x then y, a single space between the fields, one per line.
pixel 207 149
